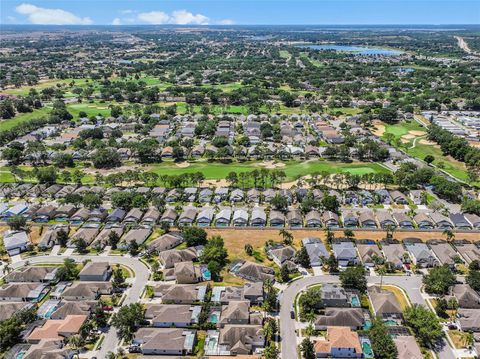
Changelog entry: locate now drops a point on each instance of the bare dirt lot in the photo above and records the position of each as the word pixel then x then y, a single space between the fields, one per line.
pixel 235 239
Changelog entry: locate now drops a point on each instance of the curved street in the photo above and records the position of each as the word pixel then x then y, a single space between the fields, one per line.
pixel 410 284
pixel 133 293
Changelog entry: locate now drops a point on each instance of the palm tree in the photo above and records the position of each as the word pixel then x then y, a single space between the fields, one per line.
pixel 7 269
pixel 287 236
pixel 75 342
pixel 449 234
pixel 382 272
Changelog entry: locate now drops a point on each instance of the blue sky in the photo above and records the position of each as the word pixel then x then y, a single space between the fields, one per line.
pixel 241 12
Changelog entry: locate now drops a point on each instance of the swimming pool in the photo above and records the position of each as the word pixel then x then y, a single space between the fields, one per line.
pixel 213 318
pixel 355 301
pixel 367 325
pixel 20 355
pixel 206 274
pixel 367 348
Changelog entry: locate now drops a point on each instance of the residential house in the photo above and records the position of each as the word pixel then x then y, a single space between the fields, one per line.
pixel 259 217
pixel 385 303
pixel 60 329
pixel 421 255
pixel 187 217
pixel 171 315
pixel 334 295
pixel 133 216
pixel 469 320
pixel 64 212
pixel 352 318
pixel 23 292
pixel 180 293
pixel 398 197
pixel 339 342
pixel 169 216
pixel 95 272
pixel 444 251
pixel 466 296
pixel 165 242
pixel 165 341
pixel 255 272
pixel 473 219
pixel 407 347
pixel 316 250
pixel 459 221
pixel 369 252
pixel 80 216
pixel 282 255
pixel 86 290
pixel 385 219
pixel 403 221
pixel 240 217
pixel 294 218
pixel 367 219
pixel 277 219
pixel 241 339
pixel 205 217
pixel 313 219
pixel 330 219
pixel 468 251
pixel 15 242
pixel 423 221
pixel 116 216
pixel 222 219
pixel 394 253
pixel 139 235
pixel 441 221
pixel 151 216
pixel 345 252
pixel 32 274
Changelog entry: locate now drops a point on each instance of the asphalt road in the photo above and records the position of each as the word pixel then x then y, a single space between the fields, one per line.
pixel 411 285
pixel 142 274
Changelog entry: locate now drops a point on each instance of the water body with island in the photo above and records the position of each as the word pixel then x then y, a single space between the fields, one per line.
pixel 357 50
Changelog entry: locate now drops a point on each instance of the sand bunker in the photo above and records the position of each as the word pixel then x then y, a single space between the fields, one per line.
pixel 379 129
pixel 182 164
pixel 427 142
pixel 215 183
pixel 408 137
pixel 271 165
pixel 417 133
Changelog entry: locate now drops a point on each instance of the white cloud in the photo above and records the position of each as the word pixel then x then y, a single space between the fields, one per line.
pixel 226 22
pixel 44 16
pixel 183 17
pixel 127 11
pixel 179 17
pixel 11 18
pixel 116 21
pixel 154 17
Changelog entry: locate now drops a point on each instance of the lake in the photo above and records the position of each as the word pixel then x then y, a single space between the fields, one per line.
pixel 357 50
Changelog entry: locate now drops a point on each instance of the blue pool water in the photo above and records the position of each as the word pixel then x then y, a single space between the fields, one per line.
pixel 357 50
pixel 355 302
pixel 20 355
pixel 367 325
pixel 206 274
pixel 367 349
pixel 213 318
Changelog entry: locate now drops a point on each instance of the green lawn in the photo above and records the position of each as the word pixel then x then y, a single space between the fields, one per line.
pixel 293 169
pixel 450 165
pixel 23 117
pixel 284 54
